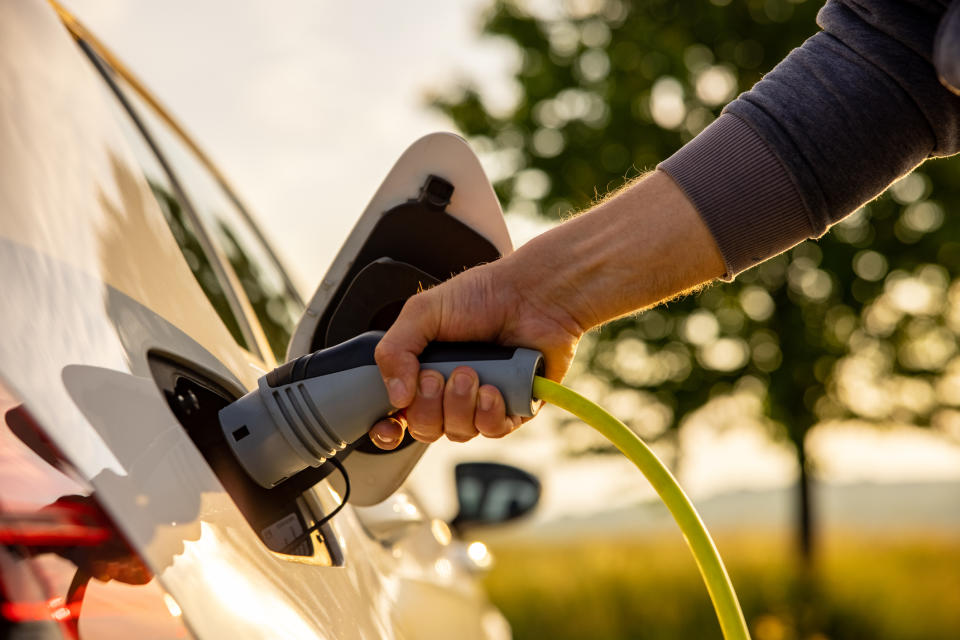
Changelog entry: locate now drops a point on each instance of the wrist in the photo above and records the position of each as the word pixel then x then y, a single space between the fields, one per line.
pixel 547 274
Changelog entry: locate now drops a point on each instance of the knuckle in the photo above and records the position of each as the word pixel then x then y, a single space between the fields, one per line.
pixel 494 428
pixel 424 420
pixel 456 424
pixel 416 304
pixel 458 419
pixel 424 436
pixel 384 351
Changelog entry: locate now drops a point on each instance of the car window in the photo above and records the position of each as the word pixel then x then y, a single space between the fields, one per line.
pixel 277 307
pixel 181 225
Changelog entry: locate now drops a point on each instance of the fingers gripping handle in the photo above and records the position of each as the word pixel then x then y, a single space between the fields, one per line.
pixel 311 408
pixel 509 369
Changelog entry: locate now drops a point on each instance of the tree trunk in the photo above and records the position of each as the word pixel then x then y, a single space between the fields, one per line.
pixel 806 536
pixel 674 456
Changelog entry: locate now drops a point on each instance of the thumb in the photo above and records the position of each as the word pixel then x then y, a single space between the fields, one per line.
pixel 396 354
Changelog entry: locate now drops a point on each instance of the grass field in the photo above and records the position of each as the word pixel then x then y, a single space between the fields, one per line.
pixel 876 588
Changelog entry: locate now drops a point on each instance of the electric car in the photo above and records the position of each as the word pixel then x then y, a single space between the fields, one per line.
pixel 137 300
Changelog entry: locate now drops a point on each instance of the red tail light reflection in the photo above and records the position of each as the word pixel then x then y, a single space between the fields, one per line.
pixel 54 608
pixel 57 544
pixel 64 523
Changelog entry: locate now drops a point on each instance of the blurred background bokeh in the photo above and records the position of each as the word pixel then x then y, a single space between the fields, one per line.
pixel 811 407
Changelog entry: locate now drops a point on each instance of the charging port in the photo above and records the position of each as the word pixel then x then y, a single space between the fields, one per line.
pixel 277 515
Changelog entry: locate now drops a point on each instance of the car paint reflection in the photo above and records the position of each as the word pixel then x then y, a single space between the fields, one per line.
pixel 90 581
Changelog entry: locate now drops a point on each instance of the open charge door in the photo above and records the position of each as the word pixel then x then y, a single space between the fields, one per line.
pixel 433 216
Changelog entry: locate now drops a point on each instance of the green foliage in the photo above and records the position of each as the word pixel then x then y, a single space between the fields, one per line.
pixel 861 323
pixel 585 116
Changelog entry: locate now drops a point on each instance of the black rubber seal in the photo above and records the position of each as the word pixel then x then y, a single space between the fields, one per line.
pixel 356 352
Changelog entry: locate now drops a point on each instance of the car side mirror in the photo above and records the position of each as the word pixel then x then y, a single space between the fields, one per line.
pixel 491 493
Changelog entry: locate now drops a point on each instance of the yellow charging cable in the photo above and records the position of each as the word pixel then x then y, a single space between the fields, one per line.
pixel 725 602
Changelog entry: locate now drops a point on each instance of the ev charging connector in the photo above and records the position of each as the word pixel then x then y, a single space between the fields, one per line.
pixel 311 408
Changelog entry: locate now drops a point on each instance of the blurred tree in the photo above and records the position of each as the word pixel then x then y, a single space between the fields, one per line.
pixel 862 323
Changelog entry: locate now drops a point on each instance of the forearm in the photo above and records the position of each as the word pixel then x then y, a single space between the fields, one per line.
pixel 637 248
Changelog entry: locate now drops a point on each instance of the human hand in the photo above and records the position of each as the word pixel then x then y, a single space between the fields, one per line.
pixel 490 303
pixel 643 245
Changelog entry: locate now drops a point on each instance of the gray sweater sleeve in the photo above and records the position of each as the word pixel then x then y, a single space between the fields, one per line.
pixel 839 119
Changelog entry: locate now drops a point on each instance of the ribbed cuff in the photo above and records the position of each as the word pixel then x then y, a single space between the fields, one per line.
pixel 742 191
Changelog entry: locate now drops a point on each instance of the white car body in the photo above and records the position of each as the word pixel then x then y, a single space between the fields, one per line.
pixel 96 290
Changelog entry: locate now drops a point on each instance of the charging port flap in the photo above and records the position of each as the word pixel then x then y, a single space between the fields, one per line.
pixel 433 216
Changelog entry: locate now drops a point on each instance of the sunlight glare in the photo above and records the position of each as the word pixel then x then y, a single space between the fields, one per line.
pixel 666 103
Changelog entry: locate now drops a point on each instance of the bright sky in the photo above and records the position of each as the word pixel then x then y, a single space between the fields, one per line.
pixel 306 108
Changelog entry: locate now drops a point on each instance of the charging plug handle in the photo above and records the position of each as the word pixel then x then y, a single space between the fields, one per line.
pixel 311 408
